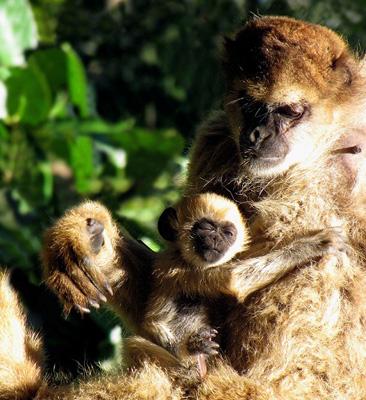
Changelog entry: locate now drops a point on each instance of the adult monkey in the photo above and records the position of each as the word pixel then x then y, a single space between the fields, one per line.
pixel 289 150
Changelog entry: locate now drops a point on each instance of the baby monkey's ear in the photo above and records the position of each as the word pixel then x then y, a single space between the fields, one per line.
pixel 168 224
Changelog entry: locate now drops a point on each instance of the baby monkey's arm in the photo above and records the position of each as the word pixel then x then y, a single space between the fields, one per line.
pixel 211 236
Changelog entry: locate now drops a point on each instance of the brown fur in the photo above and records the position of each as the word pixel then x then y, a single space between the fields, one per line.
pixel 184 285
pixel 148 383
pixel 83 278
pixel 302 337
pixel 176 313
pixel 21 366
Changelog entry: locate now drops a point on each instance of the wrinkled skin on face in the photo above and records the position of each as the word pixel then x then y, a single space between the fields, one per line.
pixel 287 103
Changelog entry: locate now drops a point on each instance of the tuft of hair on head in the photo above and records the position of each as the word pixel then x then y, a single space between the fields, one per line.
pixel 283 51
pixel 21 351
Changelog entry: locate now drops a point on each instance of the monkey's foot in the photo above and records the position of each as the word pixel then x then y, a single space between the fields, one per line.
pixel 78 253
pixel 202 342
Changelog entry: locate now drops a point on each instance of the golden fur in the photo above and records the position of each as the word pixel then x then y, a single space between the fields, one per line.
pixel 302 337
pixel 21 356
pixel 218 208
pixel 184 284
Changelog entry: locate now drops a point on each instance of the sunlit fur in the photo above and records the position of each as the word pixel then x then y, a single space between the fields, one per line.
pixel 21 355
pixel 21 366
pixel 302 337
pixel 58 251
pixel 180 271
pixel 329 76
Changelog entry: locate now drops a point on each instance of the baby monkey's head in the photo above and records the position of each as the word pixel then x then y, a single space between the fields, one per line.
pixel 207 229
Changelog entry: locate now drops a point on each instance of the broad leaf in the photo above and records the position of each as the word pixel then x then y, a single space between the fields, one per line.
pixel 18 31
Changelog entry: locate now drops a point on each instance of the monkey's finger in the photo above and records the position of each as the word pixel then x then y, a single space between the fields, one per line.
pixel 212 349
pixel 208 334
pixel 67 292
pixel 97 279
pixel 86 285
pixel 209 347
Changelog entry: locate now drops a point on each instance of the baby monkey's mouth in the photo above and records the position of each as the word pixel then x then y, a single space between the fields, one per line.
pixel 212 239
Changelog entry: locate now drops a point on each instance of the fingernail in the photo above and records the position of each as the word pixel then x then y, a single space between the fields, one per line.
pixel 102 298
pixel 109 288
pixel 83 309
pixel 94 304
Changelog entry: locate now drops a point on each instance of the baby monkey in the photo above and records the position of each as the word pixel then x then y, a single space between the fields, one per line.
pixel 205 234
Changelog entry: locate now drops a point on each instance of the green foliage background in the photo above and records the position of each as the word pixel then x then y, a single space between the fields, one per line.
pixel 99 99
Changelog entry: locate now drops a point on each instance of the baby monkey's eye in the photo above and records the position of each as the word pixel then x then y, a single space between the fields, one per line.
pixel 205 225
pixel 229 230
pixel 229 233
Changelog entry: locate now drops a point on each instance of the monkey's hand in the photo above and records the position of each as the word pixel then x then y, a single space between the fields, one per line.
pixel 250 275
pixel 329 241
pixel 202 342
pixel 79 256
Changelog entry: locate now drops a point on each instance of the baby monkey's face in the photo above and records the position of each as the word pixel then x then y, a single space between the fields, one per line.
pixel 211 239
pixel 207 229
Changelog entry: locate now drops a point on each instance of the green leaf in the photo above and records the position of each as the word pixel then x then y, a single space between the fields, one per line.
pixel 47 184
pixel 4 73
pixel 52 63
pixel 29 97
pixel 81 161
pixel 18 31
pixel 144 210
pixel 77 82
pixel 149 152
pixel 4 134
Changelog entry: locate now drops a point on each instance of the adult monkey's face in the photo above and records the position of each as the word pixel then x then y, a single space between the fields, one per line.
pixel 286 82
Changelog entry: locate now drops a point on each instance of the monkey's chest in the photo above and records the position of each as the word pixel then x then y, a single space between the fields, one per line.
pixel 282 222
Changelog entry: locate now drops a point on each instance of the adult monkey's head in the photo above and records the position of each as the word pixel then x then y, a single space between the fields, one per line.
pixel 287 83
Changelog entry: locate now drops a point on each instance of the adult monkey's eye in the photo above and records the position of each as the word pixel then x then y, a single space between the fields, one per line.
pixel 291 111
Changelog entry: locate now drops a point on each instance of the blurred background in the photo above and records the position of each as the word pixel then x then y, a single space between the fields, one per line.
pixel 100 99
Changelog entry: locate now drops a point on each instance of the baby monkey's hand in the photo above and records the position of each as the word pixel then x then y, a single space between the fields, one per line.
pixel 202 342
pixel 79 250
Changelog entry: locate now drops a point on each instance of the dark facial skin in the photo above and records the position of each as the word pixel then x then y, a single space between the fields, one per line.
pixel 263 137
pixel 212 239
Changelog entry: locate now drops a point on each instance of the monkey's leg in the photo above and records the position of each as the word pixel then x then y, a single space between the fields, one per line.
pixel 256 273
pixel 223 382
pixel 147 383
pixel 21 352
pixel 87 261
pixel 181 328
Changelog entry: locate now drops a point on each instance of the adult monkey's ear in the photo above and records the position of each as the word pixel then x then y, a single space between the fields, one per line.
pixel 167 224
